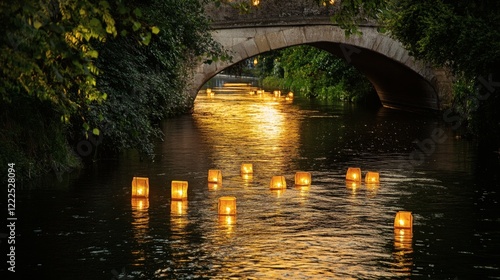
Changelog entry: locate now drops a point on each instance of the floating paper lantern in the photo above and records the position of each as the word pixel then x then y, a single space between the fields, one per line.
pixel 210 92
pixel 353 174
pixel 227 205
pixel 372 177
pixel 140 203
pixel 215 176
pixel 403 220
pixel 277 182
pixel 179 190
pixel 140 187
pixel 247 168
pixel 302 178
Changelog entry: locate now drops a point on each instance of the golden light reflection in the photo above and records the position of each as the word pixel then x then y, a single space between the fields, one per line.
pixel 246 125
pixel 140 203
pixel 213 186
pixel 178 207
pixel 353 186
pixel 278 192
pixel 303 190
pixel 403 238
pixel 227 223
pixel 247 177
pixel 403 250
pixel 372 189
pixel 140 227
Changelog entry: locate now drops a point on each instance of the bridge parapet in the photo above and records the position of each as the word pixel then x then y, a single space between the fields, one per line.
pixel 273 13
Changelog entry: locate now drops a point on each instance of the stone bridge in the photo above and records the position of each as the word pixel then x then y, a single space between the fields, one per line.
pixel 399 80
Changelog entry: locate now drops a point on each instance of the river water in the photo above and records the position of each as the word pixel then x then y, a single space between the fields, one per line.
pixel 86 226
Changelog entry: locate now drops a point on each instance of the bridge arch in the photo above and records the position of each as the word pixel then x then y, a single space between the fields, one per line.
pixel 400 80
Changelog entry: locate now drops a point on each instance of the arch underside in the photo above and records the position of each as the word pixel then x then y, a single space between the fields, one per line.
pixel 399 81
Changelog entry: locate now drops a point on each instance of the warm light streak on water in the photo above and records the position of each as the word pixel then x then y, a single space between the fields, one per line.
pixel 332 229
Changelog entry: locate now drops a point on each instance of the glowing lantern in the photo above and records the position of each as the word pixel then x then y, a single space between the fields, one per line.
pixel 302 178
pixel 372 178
pixel 353 174
pixel 214 176
pixel 227 205
pixel 277 93
pixel 277 182
pixel 140 203
pixel 290 94
pixel 247 168
pixel 179 190
pixel 140 187
pixel 403 220
pixel 255 61
pixel 255 2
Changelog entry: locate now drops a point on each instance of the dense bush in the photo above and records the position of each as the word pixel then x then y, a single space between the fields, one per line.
pixel 313 73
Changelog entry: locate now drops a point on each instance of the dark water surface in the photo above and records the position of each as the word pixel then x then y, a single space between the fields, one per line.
pixel 85 227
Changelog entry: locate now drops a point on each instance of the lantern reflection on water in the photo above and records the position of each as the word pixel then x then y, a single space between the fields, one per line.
pixel 277 182
pixel 214 176
pixel 140 187
pixel 140 203
pixel 227 220
pixel 403 220
pixel 179 190
pixel 403 238
pixel 178 207
pixel 213 186
pixel 372 177
pixel 227 205
pixel 302 178
pixel 353 174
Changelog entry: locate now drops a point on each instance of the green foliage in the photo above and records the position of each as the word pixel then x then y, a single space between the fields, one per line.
pixel 146 84
pixel 83 68
pixel 314 73
pixel 463 35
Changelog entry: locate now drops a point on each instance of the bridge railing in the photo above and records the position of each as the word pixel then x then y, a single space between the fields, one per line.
pixel 269 12
pixel 274 13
